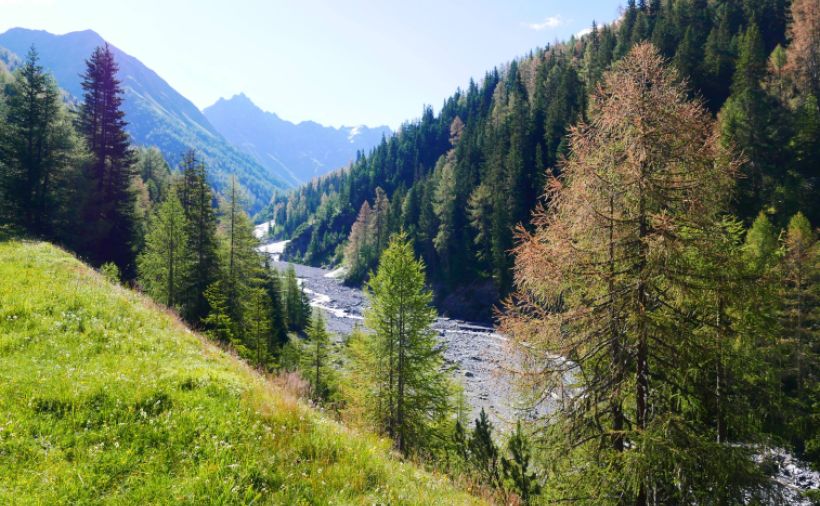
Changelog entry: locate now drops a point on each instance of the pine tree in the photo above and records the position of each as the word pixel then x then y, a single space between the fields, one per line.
pixel 110 211
pixel 165 261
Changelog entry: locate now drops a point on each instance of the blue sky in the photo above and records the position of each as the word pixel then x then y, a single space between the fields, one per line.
pixel 336 62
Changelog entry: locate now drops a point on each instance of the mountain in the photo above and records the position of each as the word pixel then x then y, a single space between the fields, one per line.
pixel 108 398
pixel 299 152
pixel 158 115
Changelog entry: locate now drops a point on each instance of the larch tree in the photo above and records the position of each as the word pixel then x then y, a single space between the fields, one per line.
pixel 316 357
pixel 110 210
pixel 165 261
pixel 380 220
pixel 359 244
pixel 155 172
pixel 603 314
pixel 297 308
pixel 801 291
pixel 242 264
pixel 803 53
pixel 407 385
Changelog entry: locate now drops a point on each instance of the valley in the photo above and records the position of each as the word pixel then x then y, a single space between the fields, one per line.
pixel 527 260
pixel 476 352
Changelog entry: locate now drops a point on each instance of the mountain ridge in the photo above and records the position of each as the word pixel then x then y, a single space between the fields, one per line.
pixel 157 113
pixel 302 150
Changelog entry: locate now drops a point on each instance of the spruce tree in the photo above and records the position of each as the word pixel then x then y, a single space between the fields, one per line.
pixel 196 198
pixel 218 324
pixel 110 212
pixel 40 154
pixel 517 468
pixel 257 334
pixel 272 283
pixel 752 122
pixel 484 453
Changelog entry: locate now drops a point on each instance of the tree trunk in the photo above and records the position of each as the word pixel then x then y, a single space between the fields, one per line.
pixel 642 369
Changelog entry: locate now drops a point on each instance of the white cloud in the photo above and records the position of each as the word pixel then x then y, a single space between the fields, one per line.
pixel 583 32
pixel 548 23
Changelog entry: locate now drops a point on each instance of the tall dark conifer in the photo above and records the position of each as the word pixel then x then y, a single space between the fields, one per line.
pixel 110 212
pixel 38 150
pixel 197 202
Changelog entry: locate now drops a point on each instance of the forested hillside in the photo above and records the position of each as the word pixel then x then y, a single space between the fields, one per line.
pixel 459 181
pixel 157 114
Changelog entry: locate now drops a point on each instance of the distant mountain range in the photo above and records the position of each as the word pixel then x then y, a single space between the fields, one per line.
pixel 157 114
pixel 298 152
pixel 233 137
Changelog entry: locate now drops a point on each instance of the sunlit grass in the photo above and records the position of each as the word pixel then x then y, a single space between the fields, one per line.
pixel 105 397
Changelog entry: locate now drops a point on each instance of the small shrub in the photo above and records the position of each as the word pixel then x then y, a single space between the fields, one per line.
pixel 110 272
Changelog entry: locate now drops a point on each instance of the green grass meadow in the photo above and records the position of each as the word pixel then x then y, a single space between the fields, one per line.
pixel 107 398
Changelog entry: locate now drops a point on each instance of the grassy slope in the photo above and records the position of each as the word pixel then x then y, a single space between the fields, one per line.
pixel 104 397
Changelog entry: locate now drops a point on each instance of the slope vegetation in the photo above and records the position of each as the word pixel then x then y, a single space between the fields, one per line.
pixel 105 397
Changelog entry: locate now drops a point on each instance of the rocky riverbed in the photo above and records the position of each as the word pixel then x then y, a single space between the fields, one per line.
pixel 476 352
